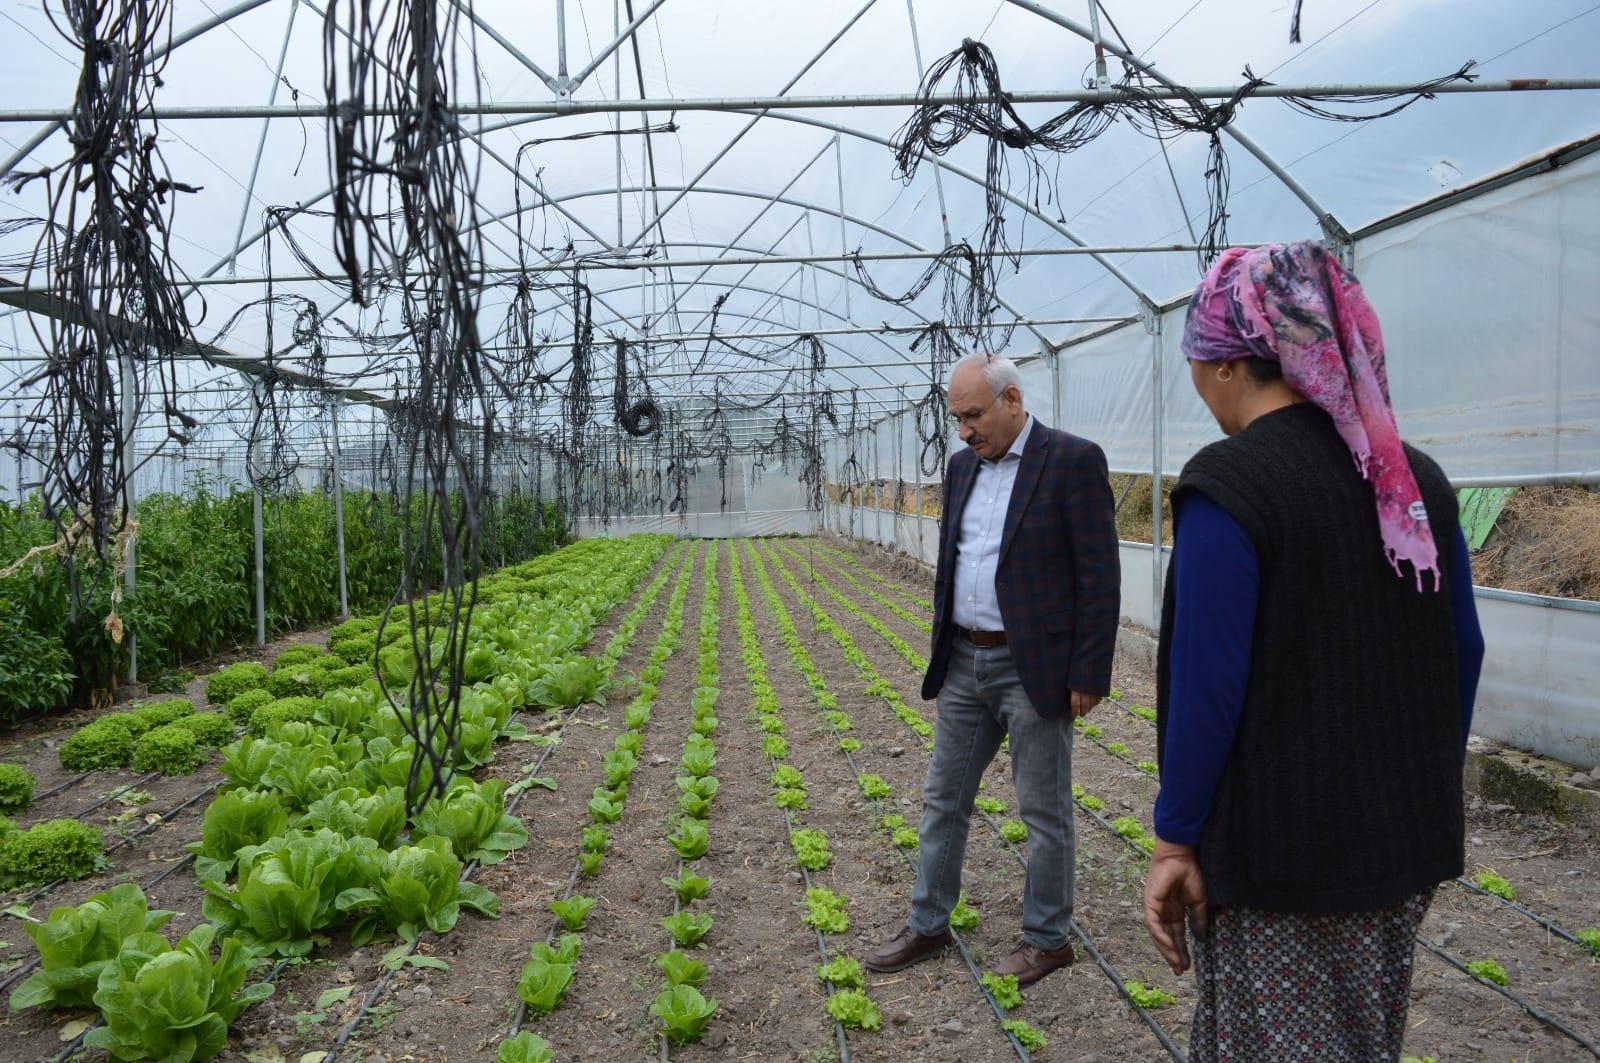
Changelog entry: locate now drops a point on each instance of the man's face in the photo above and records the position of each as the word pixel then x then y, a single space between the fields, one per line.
pixel 987 423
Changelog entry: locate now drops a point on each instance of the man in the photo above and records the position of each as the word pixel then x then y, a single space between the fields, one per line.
pixel 1024 626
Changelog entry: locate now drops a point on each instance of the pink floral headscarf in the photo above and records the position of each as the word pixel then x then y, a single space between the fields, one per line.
pixel 1294 304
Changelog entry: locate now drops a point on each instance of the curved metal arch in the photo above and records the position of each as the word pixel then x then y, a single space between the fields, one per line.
pixel 1331 226
pixel 1046 345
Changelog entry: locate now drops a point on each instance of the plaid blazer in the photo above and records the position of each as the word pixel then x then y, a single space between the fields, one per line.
pixel 1058 580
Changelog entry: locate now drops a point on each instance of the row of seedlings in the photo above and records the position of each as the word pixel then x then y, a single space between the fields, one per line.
pixel 568 681
pixel 907 653
pixel 1142 842
pixel 846 558
pixel 1001 990
pixel 811 845
pixel 918 620
pixel 682 1011
pixel 341 863
pixel 552 963
pixel 848 1004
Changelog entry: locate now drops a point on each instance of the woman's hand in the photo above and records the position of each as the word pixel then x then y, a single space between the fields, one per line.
pixel 1173 885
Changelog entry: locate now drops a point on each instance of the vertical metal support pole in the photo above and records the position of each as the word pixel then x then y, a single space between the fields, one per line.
pixel 561 43
pixel 1101 79
pixel 338 508
pixel 899 463
pixel 256 526
pixel 838 158
pixel 130 422
pixel 1055 388
pixel 877 490
pixel 261 144
pixel 616 68
pixel 22 496
pixel 938 181
pixel 1158 417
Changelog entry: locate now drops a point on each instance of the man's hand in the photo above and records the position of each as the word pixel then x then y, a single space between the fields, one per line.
pixel 1173 885
pixel 1082 703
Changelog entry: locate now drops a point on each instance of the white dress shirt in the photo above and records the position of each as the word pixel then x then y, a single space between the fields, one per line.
pixel 976 605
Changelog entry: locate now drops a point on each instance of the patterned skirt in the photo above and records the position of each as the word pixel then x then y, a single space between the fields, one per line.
pixel 1281 986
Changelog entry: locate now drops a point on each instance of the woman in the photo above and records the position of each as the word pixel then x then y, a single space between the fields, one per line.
pixel 1319 657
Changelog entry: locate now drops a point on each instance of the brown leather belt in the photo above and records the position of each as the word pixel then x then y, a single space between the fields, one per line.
pixel 984 640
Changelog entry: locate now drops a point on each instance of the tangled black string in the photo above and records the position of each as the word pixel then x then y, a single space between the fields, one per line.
pixel 104 252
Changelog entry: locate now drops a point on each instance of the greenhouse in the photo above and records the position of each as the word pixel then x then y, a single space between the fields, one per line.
pixel 479 487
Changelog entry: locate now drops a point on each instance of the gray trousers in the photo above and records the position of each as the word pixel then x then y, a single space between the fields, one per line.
pixel 981 702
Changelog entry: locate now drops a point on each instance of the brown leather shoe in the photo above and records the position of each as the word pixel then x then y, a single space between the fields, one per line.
pixel 1030 964
pixel 904 949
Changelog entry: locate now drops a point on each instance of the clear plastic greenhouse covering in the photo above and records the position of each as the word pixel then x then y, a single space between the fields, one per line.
pixel 714 231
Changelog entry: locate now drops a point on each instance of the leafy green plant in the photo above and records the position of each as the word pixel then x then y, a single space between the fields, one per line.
pixel 473 817
pixel 1589 938
pixel 788 777
pixel 794 799
pixel 1128 827
pixel 1149 767
pixel 1026 1035
pixel 991 806
pixel 16 788
pixel 287 888
pixel 595 839
pixel 683 1012
pixel 690 839
pixel 379 815
pixel 1003 988
pixel 1144 712
pixel 687 886
pixel 525 1047
pixel 811 849
pixel 893 821
pixel 1489 882
pixel 573 911
pixel 825 910
pixel 416 886
pixel 1093 803
pixel 1148 997
pixel 566 949
pixel 243 707
pixel 295 655
pixel 842 972
pixel 1014 831
pixel 295 709
pixel 160 713
pixel 569 682
pixel 1117 748
pixel 173 1003
pixel 906 838
pixel 1092 731
pixel 963 916
pixel 854 1010
pixel 775 746
pixel 543 983
pixel 603 808
pixel 1489 971
pixel 687 928
pixel 680 968
pixel 874 786
pixel 171 750
pixel 618 764
pixel 589 864
pixel 210 729
pixel 699 757
pixel 95 746
pixel 849 745
pixel 234 820
pixel 76 943
pixel 54 849
pixel 234 680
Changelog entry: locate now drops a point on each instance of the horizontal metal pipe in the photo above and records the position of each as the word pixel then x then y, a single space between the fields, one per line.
pixel 810 103
pixel 634 264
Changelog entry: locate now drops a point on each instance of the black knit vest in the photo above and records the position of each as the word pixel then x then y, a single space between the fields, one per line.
pixel 1342 790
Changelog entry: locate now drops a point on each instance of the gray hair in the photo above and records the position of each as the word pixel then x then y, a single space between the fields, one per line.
pixel 999 373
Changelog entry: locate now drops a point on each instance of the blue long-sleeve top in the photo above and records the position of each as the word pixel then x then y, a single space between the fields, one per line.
pixel 1217 575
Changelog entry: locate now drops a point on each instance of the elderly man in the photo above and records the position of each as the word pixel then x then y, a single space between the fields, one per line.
pixel 1024 625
